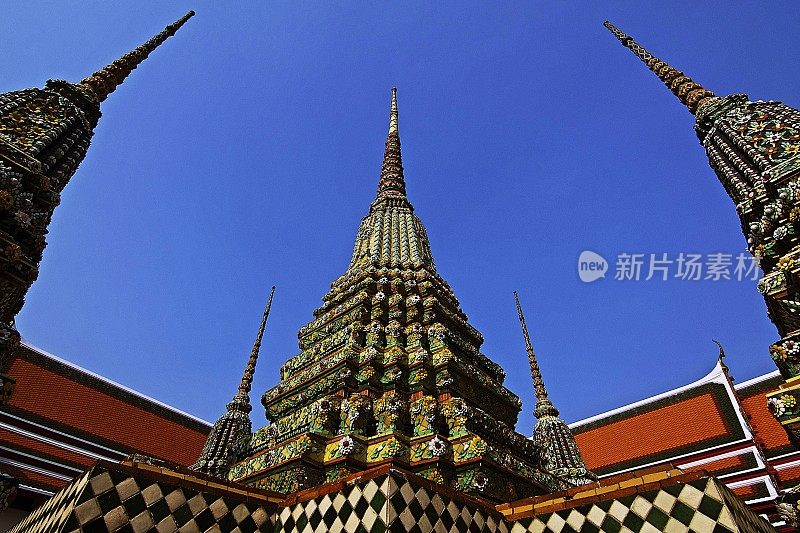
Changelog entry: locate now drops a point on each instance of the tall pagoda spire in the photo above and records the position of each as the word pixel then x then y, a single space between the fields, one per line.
pixel 754 149
pixel 392 183
pixel 544 407
pixel 391 364
pixel 44 135
pixel 107 79
pixel 689 92
pixel 390 236
pixel 232 428
pixel 560 454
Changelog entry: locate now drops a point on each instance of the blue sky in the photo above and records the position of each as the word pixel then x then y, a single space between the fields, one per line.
pixel 244 152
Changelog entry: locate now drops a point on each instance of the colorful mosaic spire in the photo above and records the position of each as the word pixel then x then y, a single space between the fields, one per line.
pixel 390 371
pixel 754 148
pixel 391 236
pixel 689 92
pixel 392 183
pixel 44 136
pixel 559 451
pixel 234 427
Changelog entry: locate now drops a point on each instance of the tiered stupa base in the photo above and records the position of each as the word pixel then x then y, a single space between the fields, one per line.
pixel 465 462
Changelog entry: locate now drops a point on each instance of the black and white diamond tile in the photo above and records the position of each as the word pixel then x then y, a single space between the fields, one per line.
pixel 387 503
pixel 357 507
pixel 699 506
pixel 747 520
pixel 53 514
pixel 111 499
pixel 108 500
pixel 418 509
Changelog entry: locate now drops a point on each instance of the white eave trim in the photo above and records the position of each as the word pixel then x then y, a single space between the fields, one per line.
pixel 58 444
pixel 752 449
pixel 42 471
pixel 757 379
pixel 784 466
pixel 36 490
pixel 717 374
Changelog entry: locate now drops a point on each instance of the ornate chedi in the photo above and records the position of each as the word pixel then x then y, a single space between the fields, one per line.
pixel 44 136
pixel 234 427
pixel 560 454
pixel 754 148
pixel 390 371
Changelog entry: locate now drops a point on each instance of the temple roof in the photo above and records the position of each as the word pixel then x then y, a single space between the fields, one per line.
pixel 85 417
pixel 703 414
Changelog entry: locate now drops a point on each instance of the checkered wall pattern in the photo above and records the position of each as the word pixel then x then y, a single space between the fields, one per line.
pixel 390 502
pixel 53 514
pixel 700 506
pixel 122 501
pixel 108 500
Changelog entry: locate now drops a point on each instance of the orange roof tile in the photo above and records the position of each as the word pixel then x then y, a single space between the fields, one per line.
pixel 766 428
pixel 789 476
pixel 729 463
pixel 654 432
pixel 73 404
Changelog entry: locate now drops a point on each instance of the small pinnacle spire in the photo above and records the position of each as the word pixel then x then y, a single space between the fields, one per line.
pixel 107 79
pixel 250 369
pixel 233 428
pixel 544 407
pixel 688 91
pixel 392 183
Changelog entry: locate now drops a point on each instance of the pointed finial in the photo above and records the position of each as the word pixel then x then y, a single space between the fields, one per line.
pixel 544 407
pixel 392 183
pixel 106 80
pixel 721 357
pixel 250 369
pixel 688 91
pixel 721 349
pixel 393 112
